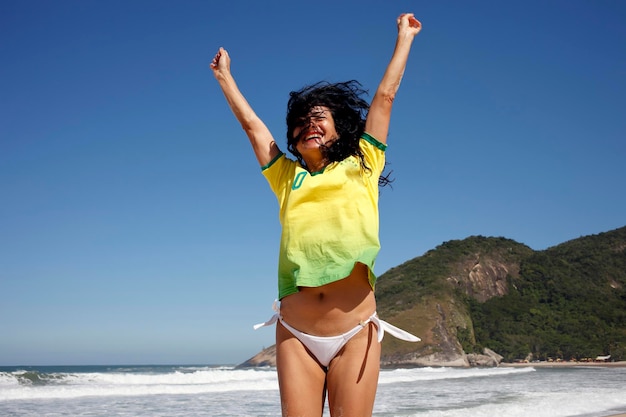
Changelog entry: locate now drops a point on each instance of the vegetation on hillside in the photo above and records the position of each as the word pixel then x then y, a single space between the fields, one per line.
pixel 566 302
pixel 426 276
pixel 569 302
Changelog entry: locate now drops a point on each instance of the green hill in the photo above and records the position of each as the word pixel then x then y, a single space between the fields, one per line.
pixel 568 301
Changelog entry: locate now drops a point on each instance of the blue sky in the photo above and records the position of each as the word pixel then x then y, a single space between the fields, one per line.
pixel 135 226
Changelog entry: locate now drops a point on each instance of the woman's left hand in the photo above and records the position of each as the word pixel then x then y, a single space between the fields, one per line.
pixel 409 24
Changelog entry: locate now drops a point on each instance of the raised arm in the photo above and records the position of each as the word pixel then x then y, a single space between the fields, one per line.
pixel 261 138
pixel 379 115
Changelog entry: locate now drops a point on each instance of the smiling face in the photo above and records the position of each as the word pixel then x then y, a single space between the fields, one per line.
pixel 314 132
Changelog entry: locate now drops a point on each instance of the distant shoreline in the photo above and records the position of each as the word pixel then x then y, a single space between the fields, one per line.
pixel 562 364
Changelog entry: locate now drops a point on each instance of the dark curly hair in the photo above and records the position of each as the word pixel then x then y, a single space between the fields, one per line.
pixel 349 110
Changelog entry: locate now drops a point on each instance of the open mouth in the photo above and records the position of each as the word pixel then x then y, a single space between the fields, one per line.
pixel 316 136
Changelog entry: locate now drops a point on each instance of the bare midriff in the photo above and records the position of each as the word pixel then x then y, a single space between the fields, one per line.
pixel 331 309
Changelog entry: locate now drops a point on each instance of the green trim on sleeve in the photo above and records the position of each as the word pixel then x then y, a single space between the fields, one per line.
pixel 369 138
pixel 270 163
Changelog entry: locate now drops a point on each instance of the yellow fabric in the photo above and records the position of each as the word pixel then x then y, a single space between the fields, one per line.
pixel 329 219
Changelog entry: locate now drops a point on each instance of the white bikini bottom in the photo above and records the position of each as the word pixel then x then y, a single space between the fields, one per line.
pixel 325 348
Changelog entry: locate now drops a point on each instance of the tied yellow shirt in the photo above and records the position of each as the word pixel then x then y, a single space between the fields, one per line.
pixel 329 218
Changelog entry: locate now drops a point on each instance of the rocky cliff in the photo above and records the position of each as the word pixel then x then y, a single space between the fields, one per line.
pixel 427 295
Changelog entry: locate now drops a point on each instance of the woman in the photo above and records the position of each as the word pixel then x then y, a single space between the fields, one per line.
pixel 327 333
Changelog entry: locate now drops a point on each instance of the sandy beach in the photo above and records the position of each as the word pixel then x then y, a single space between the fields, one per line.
pixel 543 364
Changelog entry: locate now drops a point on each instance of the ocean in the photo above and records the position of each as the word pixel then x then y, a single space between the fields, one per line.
pixel 186 391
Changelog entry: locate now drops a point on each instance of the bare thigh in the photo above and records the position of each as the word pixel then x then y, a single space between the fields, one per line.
pixel 353 376
pixel 300 377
